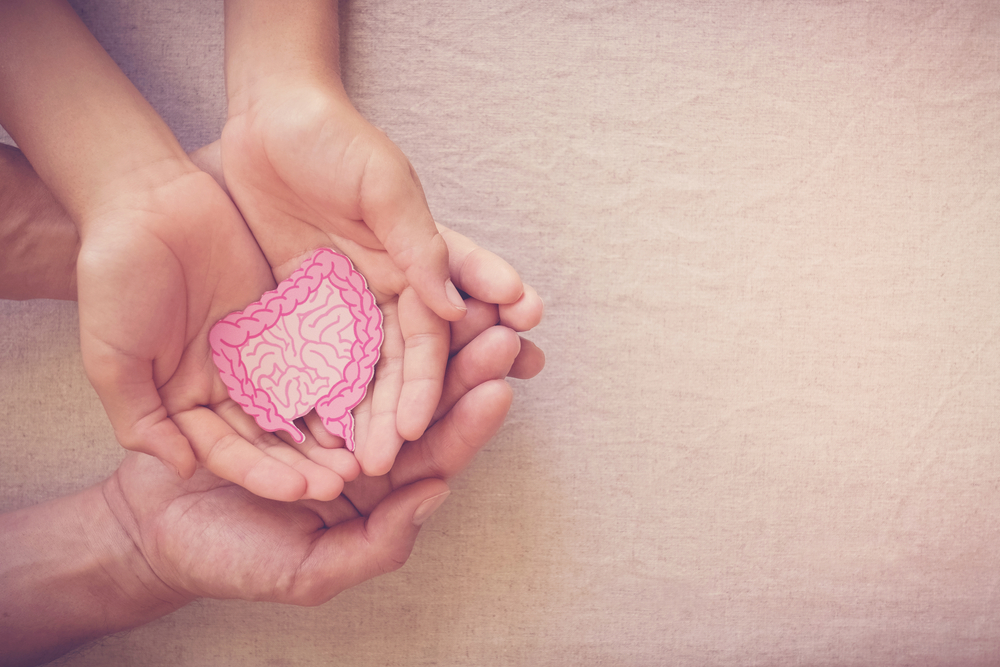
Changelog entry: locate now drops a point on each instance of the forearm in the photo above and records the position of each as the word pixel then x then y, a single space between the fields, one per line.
pixel 268 42
pixel 38 241
pixel 70 574
pixel 85 128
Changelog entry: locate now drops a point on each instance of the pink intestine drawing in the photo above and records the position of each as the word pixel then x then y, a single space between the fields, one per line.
pixel 310 343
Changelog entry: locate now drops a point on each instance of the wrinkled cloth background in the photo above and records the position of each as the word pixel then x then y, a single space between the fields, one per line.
pixel 768 239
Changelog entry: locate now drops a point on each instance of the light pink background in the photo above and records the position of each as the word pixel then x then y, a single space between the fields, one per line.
pixel 768 238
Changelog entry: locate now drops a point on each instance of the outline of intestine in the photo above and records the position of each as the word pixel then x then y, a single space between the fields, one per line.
pixel 257 333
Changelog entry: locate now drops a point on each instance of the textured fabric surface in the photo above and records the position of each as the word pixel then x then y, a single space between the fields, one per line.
pixel 768 238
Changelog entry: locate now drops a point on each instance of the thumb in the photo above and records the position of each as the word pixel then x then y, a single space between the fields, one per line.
pixel 363 548
pixel 394 207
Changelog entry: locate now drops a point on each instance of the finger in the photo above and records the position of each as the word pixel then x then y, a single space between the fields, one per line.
pixel 479 272
pixel 451 443
pixel 360 549
pixel 481 316
pixel 525 313
pixel 530 359
pixel 529 362
pixel 394 207
pixel 221 449
pixel 425 337
pixel 324 470
pixel 488 357
pixel 338 460
pixel 361 413
pixel 140 421
pixel 326 439
pixel 376 436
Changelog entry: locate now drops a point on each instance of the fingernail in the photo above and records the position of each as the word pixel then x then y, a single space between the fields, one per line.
pixel 428 507
pixel 172 468
pixel 453 295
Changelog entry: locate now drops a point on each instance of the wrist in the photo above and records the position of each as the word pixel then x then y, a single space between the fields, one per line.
pixel 273 91
pixel 268 90
pixel 69 574
pixel 135 189
pixel 140 587
pixel 135 594
pixel 73 112
pixel 268 47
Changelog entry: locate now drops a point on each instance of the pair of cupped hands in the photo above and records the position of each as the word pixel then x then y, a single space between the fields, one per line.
pixel 158 267
pixel 298 169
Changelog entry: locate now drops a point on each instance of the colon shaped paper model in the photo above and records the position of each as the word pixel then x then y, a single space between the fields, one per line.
pixel 310 343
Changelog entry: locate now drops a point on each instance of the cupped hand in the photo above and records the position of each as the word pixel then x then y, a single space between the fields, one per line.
pixel 306 170
pixel 157 268
pixel 206 537
pixel 490 283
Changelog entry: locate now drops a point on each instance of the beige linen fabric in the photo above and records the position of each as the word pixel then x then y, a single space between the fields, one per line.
pixel 767 236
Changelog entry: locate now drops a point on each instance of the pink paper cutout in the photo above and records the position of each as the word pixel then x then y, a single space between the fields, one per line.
pixel 311 342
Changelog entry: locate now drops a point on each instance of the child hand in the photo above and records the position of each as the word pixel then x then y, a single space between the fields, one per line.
pixel 306 170
pixel 163 254
pixel 158 266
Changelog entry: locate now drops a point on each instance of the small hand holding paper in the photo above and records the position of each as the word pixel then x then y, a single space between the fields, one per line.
pixel 156 270
pixel 307 171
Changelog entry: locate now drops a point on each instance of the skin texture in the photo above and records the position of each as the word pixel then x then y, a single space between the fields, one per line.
pixel 45 269
pixel 163 252
pixel 145 542
pixel 34 229
pixel 114 213
pixel 307 170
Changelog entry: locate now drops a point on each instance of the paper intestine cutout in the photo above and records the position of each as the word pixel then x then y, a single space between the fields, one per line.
pixel 310 343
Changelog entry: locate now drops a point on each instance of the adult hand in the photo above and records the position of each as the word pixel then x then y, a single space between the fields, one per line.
pixel 144 542
pixel 208 537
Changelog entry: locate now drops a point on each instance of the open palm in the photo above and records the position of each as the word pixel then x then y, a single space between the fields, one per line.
pixel 206 537
pixel 306 170
pixel 155 271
